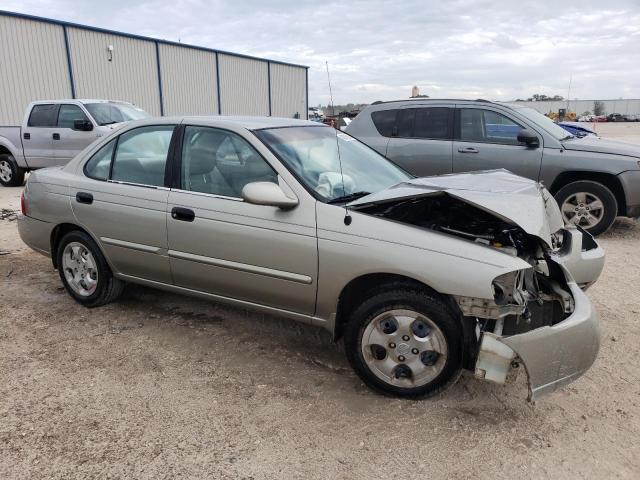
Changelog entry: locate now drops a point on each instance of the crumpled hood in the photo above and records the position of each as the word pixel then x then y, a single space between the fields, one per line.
pixel 601 145
pixel 514 199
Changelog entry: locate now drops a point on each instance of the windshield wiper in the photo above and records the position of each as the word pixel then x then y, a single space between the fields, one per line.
pixel 108 123
pixel 568 137
pixel 349 198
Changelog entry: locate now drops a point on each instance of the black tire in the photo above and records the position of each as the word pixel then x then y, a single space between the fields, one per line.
pixel 609 202
pixel 108 289
pixel 401 296
pixel 16 178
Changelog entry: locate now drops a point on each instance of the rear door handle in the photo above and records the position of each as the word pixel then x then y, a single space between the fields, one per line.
pixel 84 197
pixel 26 136
pixel 56 136
pixel 468 150
pixel 183 214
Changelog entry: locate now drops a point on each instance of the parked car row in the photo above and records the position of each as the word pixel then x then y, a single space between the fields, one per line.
pixel 424 236
pixel 613 117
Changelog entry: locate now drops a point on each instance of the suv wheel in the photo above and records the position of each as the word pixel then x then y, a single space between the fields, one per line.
pixel 404 342
pixel 10 174
pixel 84 271
pixel 588 204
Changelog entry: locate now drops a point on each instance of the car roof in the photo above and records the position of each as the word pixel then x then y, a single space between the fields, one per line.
pixel 250 123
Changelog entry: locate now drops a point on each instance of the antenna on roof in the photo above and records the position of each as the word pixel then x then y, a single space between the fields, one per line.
pixel 347 217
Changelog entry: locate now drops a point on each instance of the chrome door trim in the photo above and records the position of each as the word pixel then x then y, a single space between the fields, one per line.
pixel 131 245
pixel 211 195
pixel 242 267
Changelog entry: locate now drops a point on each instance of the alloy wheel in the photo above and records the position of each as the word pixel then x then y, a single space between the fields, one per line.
pixel 582 208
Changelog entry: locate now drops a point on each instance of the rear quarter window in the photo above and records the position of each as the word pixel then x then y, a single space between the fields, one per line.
pixel 384 121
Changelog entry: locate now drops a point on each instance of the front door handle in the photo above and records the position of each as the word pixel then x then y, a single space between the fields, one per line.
pixel 468 150
pixel 26 136
pixel 56 136
pixel 84 197
pixel 183 214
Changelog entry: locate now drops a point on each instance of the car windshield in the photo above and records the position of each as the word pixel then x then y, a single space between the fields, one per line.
pixel 545 122
pixel 107 113
pixel 312 154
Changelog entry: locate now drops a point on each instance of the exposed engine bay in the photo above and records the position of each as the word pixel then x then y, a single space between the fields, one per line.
pixel 523 299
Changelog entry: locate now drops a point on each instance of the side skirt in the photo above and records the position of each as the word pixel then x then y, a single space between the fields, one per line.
pixel 298 317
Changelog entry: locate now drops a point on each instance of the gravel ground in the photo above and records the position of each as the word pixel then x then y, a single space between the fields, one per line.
pixel 164 386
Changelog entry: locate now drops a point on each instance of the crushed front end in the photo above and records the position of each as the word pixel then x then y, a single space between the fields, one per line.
pixel 539 317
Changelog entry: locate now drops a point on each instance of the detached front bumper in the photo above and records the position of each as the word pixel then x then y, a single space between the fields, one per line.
pixel 581 256
pixel 555 356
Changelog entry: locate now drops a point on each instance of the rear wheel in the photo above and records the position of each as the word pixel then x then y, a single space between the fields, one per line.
pixel 84 271
pixel 588 204
pixel 10 174
pixel 404 342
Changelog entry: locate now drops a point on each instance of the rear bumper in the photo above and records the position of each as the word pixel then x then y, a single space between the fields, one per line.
pixel 555 356
pixel 35 233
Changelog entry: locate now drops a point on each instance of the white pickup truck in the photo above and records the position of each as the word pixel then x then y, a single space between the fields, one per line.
pixel 53 132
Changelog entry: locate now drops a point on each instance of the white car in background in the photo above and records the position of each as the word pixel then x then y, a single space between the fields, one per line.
pixel 55 131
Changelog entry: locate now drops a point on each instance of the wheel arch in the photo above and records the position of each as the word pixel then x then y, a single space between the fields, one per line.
pixel 363 286
pixel 607 179
pixel 60 231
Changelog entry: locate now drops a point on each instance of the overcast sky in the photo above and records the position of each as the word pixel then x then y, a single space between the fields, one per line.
pixel 378 50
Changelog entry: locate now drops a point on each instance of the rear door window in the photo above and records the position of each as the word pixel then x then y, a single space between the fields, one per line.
pixel 141 155
pixel 43 116
pixel 433 123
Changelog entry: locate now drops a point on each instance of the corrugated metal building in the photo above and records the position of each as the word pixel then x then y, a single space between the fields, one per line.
pixel 49 59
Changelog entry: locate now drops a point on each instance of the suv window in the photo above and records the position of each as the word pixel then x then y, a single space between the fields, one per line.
pixel 98 165
pixel 141 155
pixel 384 120
pixel 434 122
pixel 478 125
pixel 220 162
pixel 43 116
pixel 68 114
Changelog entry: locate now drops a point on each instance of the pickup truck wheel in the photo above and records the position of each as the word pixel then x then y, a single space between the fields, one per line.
pixel 404 342
pixel 84 271
pixel 10 174
pixel 588 204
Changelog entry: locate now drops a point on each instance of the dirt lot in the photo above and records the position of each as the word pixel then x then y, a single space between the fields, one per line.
pixel 163 386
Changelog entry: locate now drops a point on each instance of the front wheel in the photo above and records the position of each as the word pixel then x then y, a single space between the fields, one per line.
pixel 588 204
pixel 404 342
pixel 10 174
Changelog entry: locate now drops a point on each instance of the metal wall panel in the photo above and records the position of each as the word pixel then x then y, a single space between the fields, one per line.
pixel 244 86
pixel 189 84
pixel 132 75
pixel 33 66
pixel 288 91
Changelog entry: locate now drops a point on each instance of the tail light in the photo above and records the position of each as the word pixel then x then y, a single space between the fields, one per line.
pixel 23 204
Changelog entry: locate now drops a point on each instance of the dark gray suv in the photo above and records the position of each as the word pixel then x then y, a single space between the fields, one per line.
pixel 593 179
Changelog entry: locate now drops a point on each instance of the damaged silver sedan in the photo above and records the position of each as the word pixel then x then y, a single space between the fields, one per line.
pixel 421 277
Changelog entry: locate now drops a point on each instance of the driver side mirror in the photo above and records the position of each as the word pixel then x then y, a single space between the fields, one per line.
pixel 529 138
pixel 267 193
pixel 82 125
